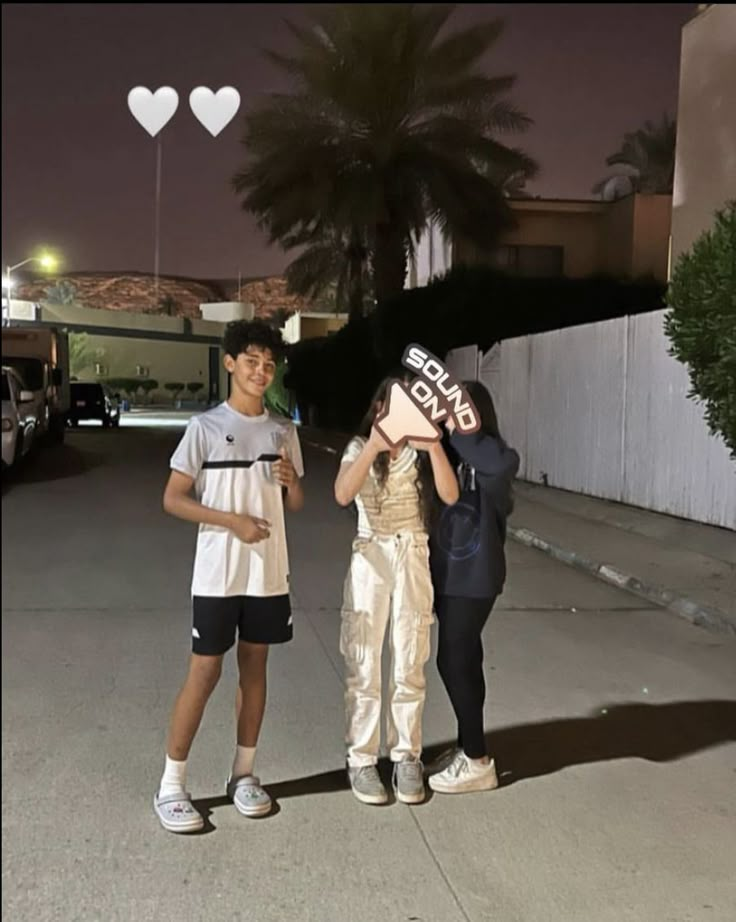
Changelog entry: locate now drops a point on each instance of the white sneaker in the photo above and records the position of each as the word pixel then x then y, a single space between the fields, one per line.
pixel 464 775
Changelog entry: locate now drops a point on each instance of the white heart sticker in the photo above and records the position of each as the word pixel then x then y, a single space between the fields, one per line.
pixel 153 111
pixel 214 110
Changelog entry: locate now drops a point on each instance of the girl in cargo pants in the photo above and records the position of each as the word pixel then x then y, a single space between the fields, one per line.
pixel 388 589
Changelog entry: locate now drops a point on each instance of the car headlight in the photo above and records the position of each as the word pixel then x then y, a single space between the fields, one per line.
pixel 7 425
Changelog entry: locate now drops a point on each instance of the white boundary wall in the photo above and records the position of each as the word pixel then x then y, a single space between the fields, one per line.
pixel 601 409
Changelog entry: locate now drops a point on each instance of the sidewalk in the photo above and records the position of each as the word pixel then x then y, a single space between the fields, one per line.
pixel 683 566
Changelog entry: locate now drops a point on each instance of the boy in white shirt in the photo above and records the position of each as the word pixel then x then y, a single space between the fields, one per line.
pixel 243 466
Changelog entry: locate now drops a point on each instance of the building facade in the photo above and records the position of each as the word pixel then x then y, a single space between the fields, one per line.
pixel 626 238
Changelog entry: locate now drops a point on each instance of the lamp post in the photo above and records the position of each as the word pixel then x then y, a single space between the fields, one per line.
pixel 46 261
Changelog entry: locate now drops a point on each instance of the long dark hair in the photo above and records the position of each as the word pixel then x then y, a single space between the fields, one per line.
pixel 424 479
pixel 481 397
pixel 483 401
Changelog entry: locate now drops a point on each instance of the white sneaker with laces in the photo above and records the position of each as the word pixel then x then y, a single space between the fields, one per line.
pixel 464 775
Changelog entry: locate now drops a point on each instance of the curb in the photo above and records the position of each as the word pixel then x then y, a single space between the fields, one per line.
pixel 700 615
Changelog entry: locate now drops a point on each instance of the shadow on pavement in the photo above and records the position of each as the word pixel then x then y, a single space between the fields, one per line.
pixel 655 732
pixel 52 462
pixel 208 805
pixel 325 783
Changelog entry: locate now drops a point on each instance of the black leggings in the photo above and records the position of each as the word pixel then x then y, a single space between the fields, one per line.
pixel 460 664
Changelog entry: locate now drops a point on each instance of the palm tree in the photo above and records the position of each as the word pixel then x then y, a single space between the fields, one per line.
pixel 393 123
pixel 81 353
pixel 61 293
pixel 647 156
pixel 334 265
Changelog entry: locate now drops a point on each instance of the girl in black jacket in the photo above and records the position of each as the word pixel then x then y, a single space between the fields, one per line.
pixel 468 572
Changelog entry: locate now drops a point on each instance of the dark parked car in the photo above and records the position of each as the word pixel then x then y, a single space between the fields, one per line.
pixel 90 400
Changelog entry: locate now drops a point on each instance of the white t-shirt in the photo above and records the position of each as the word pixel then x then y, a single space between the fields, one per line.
pixel 230 456
pixel 394 508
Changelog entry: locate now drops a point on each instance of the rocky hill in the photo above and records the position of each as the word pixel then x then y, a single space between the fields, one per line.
pixel 177 297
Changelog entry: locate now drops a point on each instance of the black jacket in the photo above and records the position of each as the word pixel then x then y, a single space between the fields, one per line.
pixel 467 555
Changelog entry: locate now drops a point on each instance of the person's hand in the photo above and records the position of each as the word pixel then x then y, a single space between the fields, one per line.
pixel 431 448
pixel 250 529
pixel 284 471
pixel 377 442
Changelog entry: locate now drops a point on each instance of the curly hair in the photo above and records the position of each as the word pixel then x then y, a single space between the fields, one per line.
pixel 424 478
pixel 240 334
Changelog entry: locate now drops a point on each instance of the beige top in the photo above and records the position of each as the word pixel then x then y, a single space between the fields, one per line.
pixel 394 508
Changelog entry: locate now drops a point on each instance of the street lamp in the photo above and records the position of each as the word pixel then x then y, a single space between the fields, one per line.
pixel 46 261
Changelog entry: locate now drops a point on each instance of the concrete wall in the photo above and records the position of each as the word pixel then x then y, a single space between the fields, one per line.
pixel 602 409
pixel 165 361
pixel 625 238
pixel 225 311
pixel 577 229
pixel 705 167
pixel 312 326
pixel 651 235
pixel 123 320
pixel 617 237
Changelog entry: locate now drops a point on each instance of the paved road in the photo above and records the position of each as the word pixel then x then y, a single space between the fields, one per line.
pixel 613 729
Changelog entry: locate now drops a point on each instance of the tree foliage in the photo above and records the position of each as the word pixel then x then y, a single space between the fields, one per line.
pixel 394 122
pixel 701 322
pixel 646 158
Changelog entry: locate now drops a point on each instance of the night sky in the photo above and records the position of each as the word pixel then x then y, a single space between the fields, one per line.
pixel 79 172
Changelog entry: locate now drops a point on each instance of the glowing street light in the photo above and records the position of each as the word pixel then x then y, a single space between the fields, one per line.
pixel 47 261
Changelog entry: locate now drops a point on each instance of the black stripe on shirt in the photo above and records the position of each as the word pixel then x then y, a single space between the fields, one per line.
pixel 225 465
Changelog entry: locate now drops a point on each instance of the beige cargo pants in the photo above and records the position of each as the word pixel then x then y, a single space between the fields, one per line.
pixel 389 587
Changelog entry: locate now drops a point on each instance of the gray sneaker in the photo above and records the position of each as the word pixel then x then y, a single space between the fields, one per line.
pixel 367 785
pixel 248 796
pixel 409 781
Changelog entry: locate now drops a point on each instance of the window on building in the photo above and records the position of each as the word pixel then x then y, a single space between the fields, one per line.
pixel 530 261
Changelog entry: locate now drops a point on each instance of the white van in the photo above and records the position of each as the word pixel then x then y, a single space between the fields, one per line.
pixel 21 423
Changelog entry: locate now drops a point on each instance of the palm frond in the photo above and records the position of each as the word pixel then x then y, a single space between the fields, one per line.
pixel 393 122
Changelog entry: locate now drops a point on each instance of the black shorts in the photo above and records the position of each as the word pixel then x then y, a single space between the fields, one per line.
pixel 257 620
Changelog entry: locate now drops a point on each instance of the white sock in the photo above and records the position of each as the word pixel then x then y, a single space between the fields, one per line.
pixel 478 764
pixel 245 757
pixel 174 780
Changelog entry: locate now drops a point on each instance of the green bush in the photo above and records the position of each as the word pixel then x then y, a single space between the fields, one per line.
pixel 128 386
pixel 175 388
pixel 148 385
pixel 277 399
pixel 194 387
pixel 701 322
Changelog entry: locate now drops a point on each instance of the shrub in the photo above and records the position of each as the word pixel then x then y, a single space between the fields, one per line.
pixel 148 385
pixel 701 322
pixel 175 388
